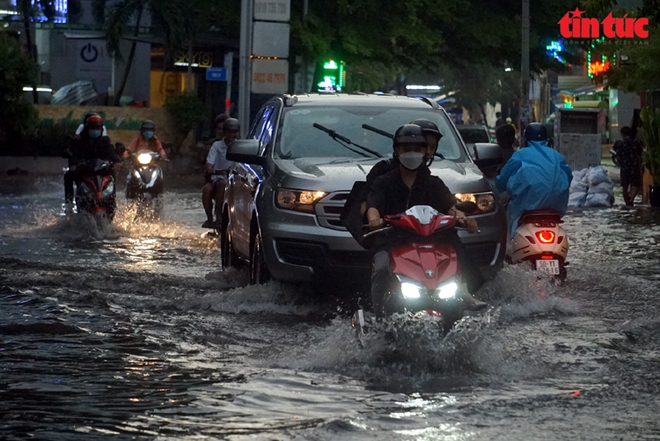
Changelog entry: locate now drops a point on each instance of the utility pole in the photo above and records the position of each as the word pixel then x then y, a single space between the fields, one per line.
pixel 305 67
pixel 189 72
pixel 524 67
pixel 244 66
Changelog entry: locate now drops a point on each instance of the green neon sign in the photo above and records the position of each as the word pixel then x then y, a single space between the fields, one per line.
pixel 332 77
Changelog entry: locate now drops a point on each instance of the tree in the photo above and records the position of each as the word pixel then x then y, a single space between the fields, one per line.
pixel 171 21
pixel 17 115
pixel 186 111
pixel 638 64
pixel 424 35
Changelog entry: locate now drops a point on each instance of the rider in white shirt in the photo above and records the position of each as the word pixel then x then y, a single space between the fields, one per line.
pixel 217 167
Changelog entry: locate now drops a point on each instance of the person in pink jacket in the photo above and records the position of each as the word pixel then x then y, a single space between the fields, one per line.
pixel 146 140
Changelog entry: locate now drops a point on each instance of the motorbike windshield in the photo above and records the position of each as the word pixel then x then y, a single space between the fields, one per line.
pixel 298 138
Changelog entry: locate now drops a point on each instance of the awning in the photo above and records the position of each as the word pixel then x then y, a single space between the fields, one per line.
pixel 74 94
pixel 84 35
pixel 586 89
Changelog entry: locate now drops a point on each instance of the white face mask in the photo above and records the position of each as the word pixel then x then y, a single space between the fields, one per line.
pixel 411 160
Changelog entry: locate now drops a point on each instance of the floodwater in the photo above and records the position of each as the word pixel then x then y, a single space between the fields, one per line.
pixel 133 331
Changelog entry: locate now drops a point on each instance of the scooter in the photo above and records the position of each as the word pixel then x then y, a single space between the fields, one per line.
pixel 95 193
pixel 427 278
pixel 541 240
pixel 144 183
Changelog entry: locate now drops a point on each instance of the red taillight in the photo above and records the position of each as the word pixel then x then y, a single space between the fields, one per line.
pixel 547 257
pixel 545 236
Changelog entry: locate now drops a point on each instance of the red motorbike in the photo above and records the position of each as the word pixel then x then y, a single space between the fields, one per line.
pixel 95 193
pixel 426 275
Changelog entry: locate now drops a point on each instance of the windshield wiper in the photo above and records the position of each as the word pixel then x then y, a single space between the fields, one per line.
pixel 379 131
pixel 389 135
pixel 342 139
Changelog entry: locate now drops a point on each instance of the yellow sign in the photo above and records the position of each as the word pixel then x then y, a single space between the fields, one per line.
pixel 199 59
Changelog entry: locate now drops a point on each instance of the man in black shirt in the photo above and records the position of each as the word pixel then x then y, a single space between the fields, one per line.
pixel 91 144
pixel 433 137
pixel 408 184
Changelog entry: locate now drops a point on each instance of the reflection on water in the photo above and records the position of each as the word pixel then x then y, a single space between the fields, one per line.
pixel 133 331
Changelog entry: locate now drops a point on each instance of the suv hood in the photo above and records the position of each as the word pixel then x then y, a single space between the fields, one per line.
pixel 335 174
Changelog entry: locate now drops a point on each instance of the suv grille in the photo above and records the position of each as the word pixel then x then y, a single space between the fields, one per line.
pixel 318 256
pixel 329 209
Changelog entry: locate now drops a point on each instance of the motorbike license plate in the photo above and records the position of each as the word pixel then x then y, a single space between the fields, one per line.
pixel 548 266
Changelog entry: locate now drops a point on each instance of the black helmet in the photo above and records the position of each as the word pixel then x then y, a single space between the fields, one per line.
pixel 536 132
pixel 147 125
pixel 88 114
pixel 409 134
pixel 428 127
pixel 231 124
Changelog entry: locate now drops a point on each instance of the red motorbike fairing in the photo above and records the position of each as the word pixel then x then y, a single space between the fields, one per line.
pixel 429 263
pixel 98 191
pixel 409 222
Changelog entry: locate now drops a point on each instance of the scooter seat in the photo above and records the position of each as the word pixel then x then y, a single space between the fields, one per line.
pixel 540 215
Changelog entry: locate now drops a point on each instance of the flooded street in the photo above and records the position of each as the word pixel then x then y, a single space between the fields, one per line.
pixel 133 331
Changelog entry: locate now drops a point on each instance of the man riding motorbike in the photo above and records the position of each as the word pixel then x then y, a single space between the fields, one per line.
pixel 90 144
pixel 433 137
pixel 217 168
pixel 536 176
pixel 87 114
pixel 408 184
pixel 146 140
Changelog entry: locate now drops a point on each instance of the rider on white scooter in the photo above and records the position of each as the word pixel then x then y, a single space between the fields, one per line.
pixel 407 185
pixel 535 176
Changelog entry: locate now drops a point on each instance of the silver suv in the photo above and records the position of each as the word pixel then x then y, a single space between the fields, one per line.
pixel 296 169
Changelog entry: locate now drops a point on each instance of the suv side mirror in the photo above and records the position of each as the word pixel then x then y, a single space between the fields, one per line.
pixel 487 156
pixel 247 151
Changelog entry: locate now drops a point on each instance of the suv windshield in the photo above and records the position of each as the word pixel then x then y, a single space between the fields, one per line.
pixel 298 138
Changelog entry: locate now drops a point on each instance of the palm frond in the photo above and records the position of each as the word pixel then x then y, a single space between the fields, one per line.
pixel 118 20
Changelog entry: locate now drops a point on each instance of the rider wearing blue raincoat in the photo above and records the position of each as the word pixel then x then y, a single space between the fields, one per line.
pixel 536 176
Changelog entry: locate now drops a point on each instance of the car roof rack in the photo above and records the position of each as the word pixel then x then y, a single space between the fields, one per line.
pixel 289 100
pixel 428 101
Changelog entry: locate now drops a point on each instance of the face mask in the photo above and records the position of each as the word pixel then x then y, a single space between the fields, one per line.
pixel 148 134
pixel 94 133
pixel 411 160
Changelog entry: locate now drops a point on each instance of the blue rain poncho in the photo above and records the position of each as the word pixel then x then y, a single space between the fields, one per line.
pixel 536 177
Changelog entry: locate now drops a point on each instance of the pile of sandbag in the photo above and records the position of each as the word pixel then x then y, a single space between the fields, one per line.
pixel 591 187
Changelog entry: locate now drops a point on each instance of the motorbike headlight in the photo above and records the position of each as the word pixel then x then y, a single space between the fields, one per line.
pixel 299 200
pixel 107 191
pixel 447 290
pixel 410 289
pixel 485 201
pixel 144 158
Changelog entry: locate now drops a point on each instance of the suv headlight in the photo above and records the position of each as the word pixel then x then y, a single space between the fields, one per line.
pixel 485 201
pixel 299 200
